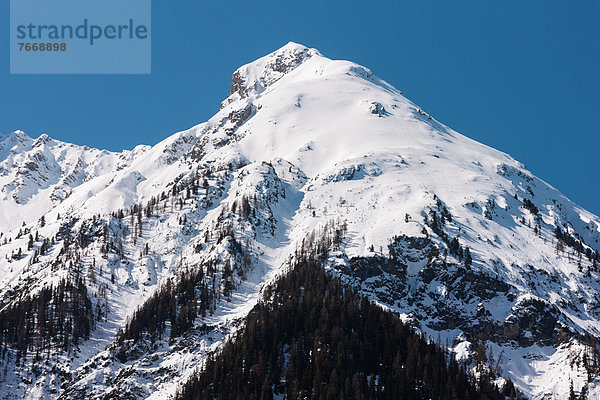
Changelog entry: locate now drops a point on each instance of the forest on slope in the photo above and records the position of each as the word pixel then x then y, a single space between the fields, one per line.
pixel 313 337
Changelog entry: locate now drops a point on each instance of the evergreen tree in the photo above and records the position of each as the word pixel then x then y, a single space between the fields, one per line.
pixel 468 258
pixel 572 395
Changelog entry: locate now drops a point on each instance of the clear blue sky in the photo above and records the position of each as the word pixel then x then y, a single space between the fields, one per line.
pixel 523 77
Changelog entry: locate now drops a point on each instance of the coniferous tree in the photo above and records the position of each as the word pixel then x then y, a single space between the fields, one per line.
pixel 468 258
pixel 572 395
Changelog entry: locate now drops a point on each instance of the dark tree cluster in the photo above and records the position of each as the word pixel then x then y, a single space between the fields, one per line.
pixel 590 361
pixel 317 244
pixel 314 338
pixel 564 238
pixel 56 317
pixel 437 220
pixel 528 204
pixel 176 304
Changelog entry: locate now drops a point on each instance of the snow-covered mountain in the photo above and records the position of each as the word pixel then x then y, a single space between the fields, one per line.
pixel 36 175
pixel 458 238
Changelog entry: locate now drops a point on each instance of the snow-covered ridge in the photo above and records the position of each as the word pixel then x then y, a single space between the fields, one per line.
pixel 301 141
pixel 38 174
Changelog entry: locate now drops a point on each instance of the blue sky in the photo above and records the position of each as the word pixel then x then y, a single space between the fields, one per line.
pixel 523 77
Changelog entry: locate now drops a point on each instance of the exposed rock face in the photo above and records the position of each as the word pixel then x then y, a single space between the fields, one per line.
pixel 389 280
pixel 255 77
pixel 238 117
pixel 377 109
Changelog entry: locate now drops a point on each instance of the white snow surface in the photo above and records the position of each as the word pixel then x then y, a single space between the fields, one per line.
pixel 316 140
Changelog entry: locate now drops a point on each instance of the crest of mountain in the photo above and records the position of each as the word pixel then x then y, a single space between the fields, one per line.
pixel 151 259
pixel 36 175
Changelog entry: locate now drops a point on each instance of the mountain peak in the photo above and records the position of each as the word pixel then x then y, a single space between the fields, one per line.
pixel 259 74
pixel 291 46
pixel 42 139
pixel 19 135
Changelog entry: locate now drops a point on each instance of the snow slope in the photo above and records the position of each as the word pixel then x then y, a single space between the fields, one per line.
pixel 310 140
